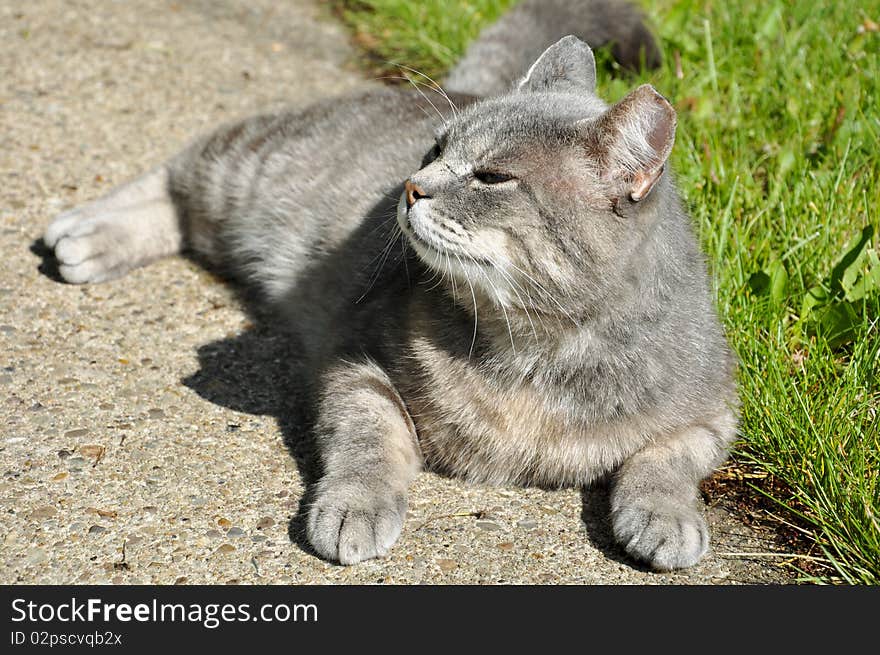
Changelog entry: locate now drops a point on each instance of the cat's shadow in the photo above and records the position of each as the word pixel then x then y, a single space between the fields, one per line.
pixel 596 515
pixel 255 372
pixel 48 265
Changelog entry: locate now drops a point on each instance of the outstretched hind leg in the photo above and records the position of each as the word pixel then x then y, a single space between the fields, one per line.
pixel 133 225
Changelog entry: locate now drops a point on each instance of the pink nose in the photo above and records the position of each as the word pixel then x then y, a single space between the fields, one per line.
pixel 413 193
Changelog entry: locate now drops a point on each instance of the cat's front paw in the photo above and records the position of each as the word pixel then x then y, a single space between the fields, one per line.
pixel 348 525
pixel 665 535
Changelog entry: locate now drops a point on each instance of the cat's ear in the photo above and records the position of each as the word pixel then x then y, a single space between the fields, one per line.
pixel 635 137
pixel 568 64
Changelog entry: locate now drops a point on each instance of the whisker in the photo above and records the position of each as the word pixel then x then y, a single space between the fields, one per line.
pixel 474 297
pixel 436 86
pixel 388 219
pixel 386 251
pixel 405 264
pixel 433 277
pixel 377 256
pixel 440 270
pixel 452 279
pixel 430 102
pixel 503 309
pixel 513 286
pixel 549 295
pixel 407 79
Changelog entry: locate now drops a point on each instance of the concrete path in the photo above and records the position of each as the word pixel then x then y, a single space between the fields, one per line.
pixel 140 439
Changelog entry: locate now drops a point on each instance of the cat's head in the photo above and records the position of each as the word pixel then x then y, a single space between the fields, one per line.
pixel 542 193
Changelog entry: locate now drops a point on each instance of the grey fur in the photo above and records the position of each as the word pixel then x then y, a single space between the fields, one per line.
pixel 506 49
pixel 547 319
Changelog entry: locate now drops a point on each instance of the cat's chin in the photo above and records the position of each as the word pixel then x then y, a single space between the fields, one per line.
pixel 465 271
pixel 436 259
pixel 434 256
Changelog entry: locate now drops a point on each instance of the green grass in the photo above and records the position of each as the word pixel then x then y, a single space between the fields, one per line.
pixel 428 35
pixel 778 154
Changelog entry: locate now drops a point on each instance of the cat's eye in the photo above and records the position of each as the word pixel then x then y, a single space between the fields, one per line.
pixel 492 177
pixel 433 154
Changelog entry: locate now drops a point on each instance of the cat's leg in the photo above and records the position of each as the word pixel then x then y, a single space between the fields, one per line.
pixel 129 227
pixel 655 502
pixel 370 454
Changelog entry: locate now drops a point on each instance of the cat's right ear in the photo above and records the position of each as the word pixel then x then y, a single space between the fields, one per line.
pixel 566 65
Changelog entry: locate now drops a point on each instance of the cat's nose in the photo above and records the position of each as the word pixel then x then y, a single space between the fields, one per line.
pixel 413 192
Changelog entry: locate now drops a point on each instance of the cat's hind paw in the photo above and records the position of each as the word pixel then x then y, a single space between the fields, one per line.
pixel 129 227
pixel 348 526
pixel 665 536
pixel 88 248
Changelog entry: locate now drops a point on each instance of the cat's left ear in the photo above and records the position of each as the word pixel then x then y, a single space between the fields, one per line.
pixel 566 65
pixel 635 137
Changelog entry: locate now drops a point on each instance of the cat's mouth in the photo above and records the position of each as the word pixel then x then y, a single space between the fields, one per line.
pixel 480 273
pixel 432 247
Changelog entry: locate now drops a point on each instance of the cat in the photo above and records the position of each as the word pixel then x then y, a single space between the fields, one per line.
pixel 518 300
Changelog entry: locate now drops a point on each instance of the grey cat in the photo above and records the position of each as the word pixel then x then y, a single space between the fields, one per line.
pixel 520 301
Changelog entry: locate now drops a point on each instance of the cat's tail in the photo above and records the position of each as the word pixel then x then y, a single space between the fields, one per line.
pixel 503 52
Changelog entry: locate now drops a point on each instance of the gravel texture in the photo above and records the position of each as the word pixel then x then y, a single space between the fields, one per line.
pixel 142 429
